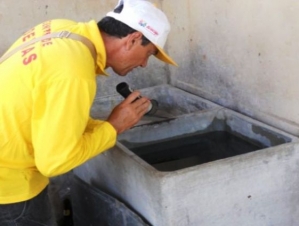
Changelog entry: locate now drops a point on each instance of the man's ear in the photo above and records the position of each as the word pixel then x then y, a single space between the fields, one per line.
pixel 133 39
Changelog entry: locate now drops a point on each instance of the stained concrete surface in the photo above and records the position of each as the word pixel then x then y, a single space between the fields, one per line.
pixel 94 207
pixel 172 103
pixel 241 55
pixel 258 188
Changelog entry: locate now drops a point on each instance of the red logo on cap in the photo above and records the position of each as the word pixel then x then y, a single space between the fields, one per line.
pixel 152 30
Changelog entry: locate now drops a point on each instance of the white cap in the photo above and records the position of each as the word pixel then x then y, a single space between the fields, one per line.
pixel 145 17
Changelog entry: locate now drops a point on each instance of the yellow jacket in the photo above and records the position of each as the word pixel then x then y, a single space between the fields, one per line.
pixel 46 91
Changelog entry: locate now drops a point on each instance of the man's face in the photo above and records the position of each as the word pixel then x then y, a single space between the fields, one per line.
pixel 133 55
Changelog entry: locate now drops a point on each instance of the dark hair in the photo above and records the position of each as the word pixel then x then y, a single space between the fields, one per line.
pixel 115 28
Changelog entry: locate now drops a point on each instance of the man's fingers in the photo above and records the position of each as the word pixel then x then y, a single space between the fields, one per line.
pixel 141 105
pixel 128 112
pixel 132 97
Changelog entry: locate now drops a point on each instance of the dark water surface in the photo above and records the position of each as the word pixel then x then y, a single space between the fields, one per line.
pixel 190 150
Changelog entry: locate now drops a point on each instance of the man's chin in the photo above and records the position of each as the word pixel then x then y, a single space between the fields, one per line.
pixel 121 73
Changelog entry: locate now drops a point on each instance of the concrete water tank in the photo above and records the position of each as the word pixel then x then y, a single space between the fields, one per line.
pixel 252 187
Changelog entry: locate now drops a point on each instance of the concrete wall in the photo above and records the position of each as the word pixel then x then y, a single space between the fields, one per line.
pixel 240 54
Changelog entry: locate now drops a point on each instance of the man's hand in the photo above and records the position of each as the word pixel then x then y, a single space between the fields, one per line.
pixel 129 112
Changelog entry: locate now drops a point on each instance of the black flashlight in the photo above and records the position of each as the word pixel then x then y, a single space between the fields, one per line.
pixel 124 90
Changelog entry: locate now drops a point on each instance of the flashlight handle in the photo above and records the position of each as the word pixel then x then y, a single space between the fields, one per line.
pixel 124 90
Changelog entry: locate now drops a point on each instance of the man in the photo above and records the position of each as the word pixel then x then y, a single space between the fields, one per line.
pixel 47 86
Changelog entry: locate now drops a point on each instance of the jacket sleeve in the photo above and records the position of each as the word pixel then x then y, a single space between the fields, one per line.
pixel 63 135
